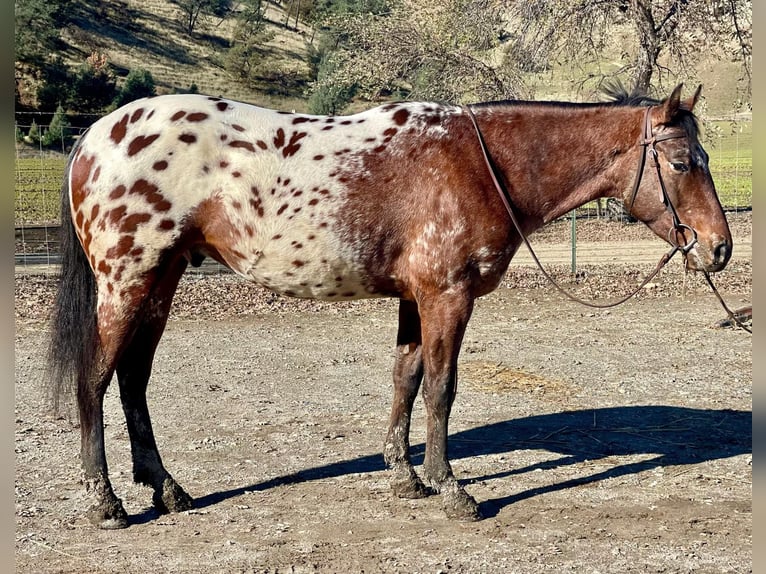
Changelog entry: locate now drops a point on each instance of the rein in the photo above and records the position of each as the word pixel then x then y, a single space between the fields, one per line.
pixel 647 141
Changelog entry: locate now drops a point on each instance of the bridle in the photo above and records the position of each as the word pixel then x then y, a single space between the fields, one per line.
pixel 647 141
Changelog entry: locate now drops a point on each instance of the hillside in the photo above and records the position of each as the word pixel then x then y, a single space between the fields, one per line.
pixel 149 34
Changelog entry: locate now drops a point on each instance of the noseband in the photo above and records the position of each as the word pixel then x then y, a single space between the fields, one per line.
pixel 647 141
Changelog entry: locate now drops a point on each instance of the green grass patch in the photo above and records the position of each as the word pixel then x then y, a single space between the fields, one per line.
pixel 37 190
pixel 730 147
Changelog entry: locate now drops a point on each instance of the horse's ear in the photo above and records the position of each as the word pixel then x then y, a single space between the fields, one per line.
pixel 670 106
pixel 689 103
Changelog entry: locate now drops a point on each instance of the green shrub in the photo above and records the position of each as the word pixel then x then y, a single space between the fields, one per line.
pixel 138 84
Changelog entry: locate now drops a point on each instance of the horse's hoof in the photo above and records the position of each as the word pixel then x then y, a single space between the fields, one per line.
pixel 173 498
pixel 459 505
pixel 411 489
pixel 109 516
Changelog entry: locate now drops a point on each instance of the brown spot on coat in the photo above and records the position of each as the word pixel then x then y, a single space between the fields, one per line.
pixel 131 222
pixel 197 117
pixel 124 245
pixel 187 138
pixel 279 139
pixel 79 174
pixel 136 115
pixel 151 194
pixel 160 165
pixel 119 130
pixel 401 116
pixel 140 143
pixel 118 192
pixel 242 144
pixel 116 214
pixel 262 144
pixel 177 116
pixel 222 106
pixel 166 225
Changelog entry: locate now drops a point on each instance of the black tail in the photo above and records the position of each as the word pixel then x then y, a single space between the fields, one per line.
pixel 74 341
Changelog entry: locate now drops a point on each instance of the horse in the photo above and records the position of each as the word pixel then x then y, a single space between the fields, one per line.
pixel 397 201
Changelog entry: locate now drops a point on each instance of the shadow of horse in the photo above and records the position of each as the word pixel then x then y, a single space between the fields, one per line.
pixel 675 435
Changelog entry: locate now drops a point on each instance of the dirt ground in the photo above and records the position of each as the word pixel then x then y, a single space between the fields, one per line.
pixel 594 441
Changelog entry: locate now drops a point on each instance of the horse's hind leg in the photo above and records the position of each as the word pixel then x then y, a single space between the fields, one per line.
pixel 408 372
pixel 133 371
pixel 115 323
pixel 106 510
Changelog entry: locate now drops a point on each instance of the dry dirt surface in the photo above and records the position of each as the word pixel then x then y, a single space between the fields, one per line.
pixel 594 441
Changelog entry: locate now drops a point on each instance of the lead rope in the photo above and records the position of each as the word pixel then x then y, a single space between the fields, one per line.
pixel 647 140
pixel 732 316
pixel 506 201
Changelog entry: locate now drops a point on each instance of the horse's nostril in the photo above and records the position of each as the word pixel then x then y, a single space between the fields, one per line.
pixel 722 252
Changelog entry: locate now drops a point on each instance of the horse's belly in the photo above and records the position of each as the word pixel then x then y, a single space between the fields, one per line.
pixel 305 265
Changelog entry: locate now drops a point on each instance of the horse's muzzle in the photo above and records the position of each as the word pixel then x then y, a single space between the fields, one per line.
pixel 710 257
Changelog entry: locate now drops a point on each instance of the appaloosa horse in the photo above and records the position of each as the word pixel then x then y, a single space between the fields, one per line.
pixel 397 201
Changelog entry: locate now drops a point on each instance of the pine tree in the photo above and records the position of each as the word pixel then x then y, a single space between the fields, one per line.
pixel 58 132
pixel 33 135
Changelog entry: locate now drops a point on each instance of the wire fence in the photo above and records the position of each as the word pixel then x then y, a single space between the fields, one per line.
pixel 41 155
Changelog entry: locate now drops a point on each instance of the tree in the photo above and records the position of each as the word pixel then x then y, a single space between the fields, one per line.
pixel 327 97
pixel 664 35
pixel 58 133
pixel 138 84
pixel 36 31
pixel 431 50
pixel 33 135
pixel 94 85
pixel 194 11
pixel 250 33
pixel 56 86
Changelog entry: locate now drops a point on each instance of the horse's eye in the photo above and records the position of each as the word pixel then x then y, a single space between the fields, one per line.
pixel 679 166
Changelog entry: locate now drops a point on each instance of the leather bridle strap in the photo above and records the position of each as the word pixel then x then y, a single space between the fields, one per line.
pixel 505 197
pixel 648 141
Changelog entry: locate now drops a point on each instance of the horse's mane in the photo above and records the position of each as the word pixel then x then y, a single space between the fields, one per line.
pixel 616 93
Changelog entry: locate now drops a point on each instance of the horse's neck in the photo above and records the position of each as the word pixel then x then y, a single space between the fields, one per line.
pixel 556 159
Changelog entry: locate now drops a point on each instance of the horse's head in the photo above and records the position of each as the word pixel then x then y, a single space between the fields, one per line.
pixel 687 213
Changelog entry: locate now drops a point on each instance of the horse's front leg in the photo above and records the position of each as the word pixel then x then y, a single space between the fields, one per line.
pixel 408 372
pixel 444 319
